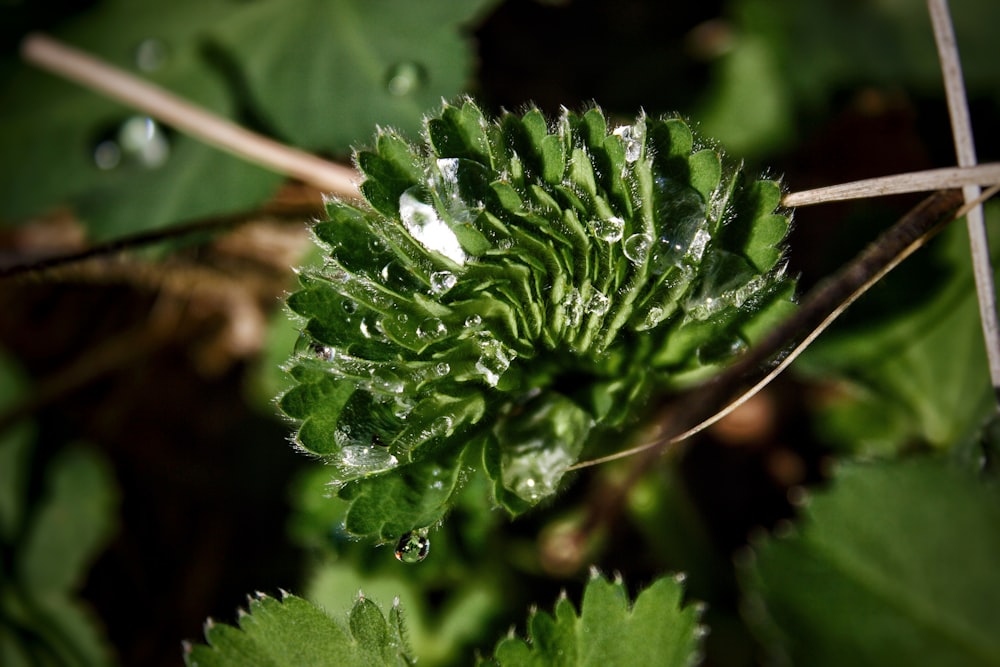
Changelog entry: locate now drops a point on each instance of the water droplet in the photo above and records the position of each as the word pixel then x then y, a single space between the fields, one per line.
pixel 402 318
pixel 443 368
pixel 633 144
pixel 573 307
pixel 325 353
pixel 442 281
pixel 698 244
pixel 412 547
pixel 432 329
pixel 494 359
pixel 653 317
pixel 599 303
pixel 636 248
pixel 424 225
pixel 142 140
pixel 107 155
pixel 367 458
pixel 405 78
pixel 151 54
pixel 473 321
pixel 349 306
pixel 609 230
pixel 387 381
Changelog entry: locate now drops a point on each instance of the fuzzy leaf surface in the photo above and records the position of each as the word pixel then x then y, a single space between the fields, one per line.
pixel 895 564
pixel 292 632
pixel 656 630
pixel 518 287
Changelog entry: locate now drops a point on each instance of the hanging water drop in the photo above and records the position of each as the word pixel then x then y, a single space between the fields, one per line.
pixel 473 321
pixel 412 547
pixel 442 281
pixel 405 78
pixel 636 248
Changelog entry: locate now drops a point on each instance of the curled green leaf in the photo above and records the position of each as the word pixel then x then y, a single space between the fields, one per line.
pixel 515 286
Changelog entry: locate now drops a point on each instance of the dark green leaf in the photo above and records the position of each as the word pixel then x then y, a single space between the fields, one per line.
pixel 293 632
pixel 895 564
pixel 325 72
pixel 657 630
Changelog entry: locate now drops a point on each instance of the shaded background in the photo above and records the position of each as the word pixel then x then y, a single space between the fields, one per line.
pixel 164 360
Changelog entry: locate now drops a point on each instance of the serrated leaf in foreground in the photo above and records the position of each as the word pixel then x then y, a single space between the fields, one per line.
pixel 896 564
pixel 516 288
pixel 655 631
pixel 292 632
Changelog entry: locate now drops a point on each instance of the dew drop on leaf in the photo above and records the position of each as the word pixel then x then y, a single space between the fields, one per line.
pixel 151 54
pixel 598 304
pixel 412 547
pixel 636 248
pixel 633 147
pixel 609 230
pixel 422 222
pixel 367 458
pixel 494 359
pixel 473 321
pixel 442 281
pixel 143 141
pixel 387 381
pixel 107 154
pixel 432 329
pixel 405 78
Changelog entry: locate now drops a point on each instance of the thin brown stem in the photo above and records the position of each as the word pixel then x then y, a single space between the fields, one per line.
pixel 98 75
pixel 817 310
pixel 961 125
pixel 298 212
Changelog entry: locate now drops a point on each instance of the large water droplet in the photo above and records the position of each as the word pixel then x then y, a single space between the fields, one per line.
pixel 442 281
pixel 367 458
pixel 473 321
pixel 609 230
pixel 151 54
pixel 636 248
pixel 141 139
pixel 405 78
pixel 442 368
pixel 424 225
pixel 412 547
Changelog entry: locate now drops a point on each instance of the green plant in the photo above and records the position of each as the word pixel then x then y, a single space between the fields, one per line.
pixel 514 292
pixel 520 296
